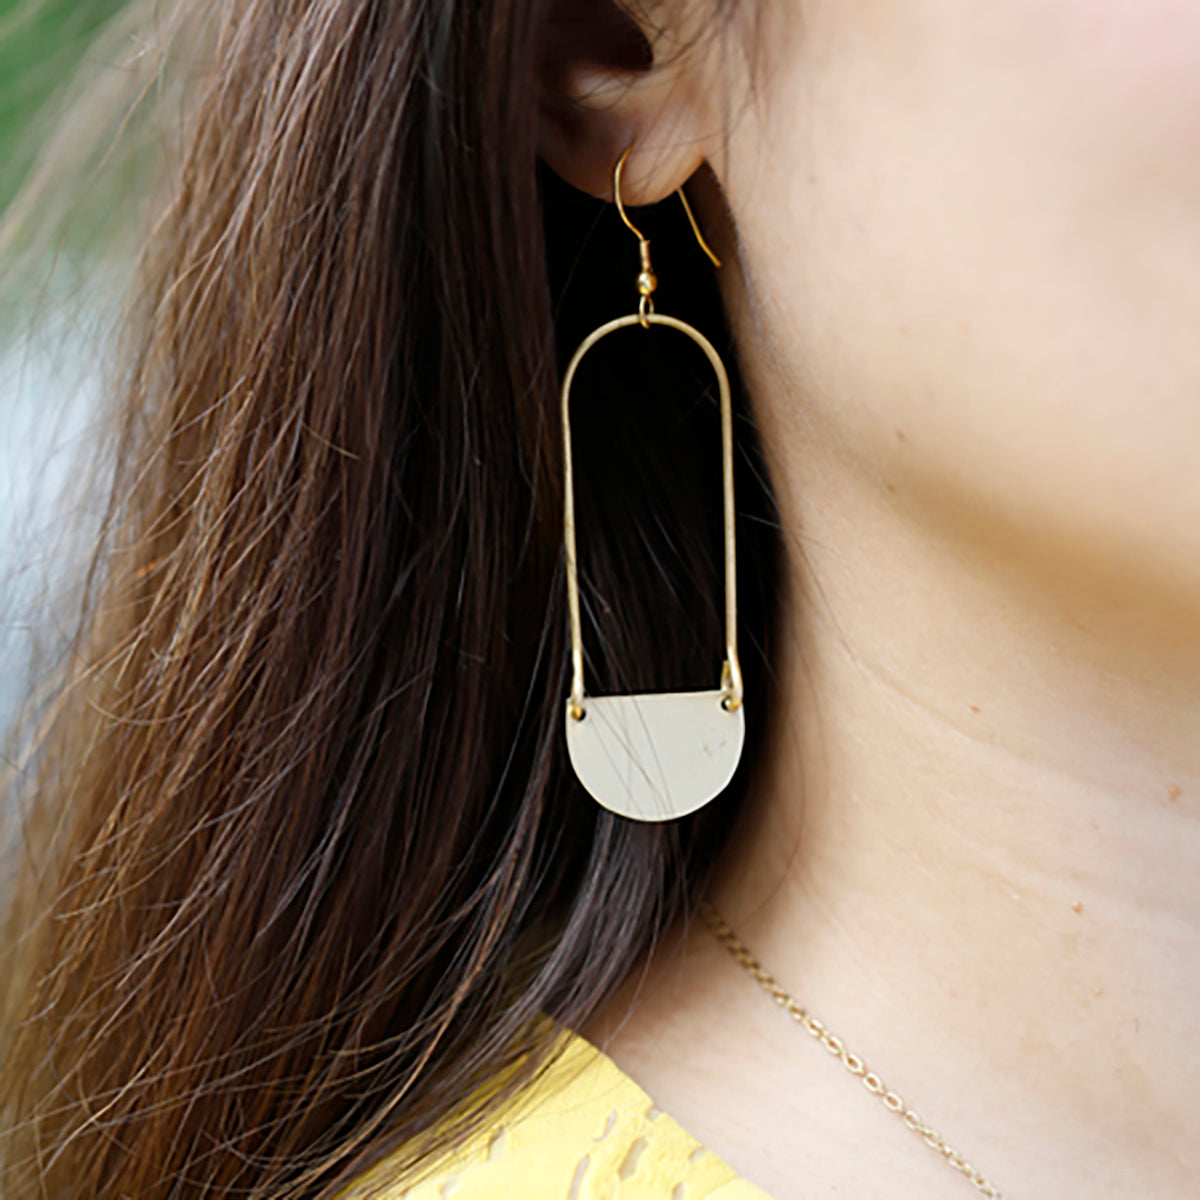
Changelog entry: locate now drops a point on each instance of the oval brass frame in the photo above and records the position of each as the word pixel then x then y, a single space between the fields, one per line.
pixel 731 672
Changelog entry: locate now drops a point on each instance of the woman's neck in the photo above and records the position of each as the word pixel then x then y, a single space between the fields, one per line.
pixel 973 850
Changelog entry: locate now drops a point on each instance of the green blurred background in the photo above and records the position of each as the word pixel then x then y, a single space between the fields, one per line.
pixel 42 42
pixel 54 310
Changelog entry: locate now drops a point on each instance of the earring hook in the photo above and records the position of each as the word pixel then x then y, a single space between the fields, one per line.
pixel 687 208
pixel 647 281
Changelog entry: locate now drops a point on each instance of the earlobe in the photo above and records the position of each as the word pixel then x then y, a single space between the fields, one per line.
pixel 601 91
pixel 579 135
pixel 581 142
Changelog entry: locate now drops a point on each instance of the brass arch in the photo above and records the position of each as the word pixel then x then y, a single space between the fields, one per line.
pixel 731 672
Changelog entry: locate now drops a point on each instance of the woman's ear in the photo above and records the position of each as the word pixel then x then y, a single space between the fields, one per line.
pixel 609 78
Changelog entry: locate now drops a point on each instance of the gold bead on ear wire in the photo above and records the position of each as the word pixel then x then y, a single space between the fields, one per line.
pixel 658 755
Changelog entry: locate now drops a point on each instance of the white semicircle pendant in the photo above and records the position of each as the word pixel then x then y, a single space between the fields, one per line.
pixel 657 755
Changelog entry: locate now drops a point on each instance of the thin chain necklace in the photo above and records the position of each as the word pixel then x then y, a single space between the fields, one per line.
pixel 852 1062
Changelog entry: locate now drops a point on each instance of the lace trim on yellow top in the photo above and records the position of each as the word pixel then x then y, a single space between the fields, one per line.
pixel 583 1131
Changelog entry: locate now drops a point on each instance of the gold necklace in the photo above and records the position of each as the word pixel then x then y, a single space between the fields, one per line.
pixel 852 1062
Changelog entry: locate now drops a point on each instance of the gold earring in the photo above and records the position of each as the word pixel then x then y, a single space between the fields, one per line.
pixel 657 755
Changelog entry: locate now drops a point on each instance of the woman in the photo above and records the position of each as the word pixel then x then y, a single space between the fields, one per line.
pixel 314 899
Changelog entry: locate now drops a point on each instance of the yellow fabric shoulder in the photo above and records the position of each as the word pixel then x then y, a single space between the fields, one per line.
pixel 583 1131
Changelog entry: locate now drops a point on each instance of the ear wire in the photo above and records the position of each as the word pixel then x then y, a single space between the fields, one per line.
pixel 647 281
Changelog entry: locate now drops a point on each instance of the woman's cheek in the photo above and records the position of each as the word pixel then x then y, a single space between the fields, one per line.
pixel 1136 65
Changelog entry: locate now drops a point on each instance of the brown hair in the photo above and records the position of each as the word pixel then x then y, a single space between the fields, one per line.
pixel 305 862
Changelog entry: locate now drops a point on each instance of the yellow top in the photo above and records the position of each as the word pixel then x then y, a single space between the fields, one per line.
pixel 582 1131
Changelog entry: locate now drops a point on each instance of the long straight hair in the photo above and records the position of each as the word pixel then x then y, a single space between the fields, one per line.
pixel 308 879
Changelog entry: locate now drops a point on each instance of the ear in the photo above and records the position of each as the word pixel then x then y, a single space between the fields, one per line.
pixel 608 81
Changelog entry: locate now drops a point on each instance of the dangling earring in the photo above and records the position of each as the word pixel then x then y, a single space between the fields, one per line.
pixel 657 755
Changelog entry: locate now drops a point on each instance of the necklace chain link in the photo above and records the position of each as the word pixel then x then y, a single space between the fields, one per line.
pixel 853 1063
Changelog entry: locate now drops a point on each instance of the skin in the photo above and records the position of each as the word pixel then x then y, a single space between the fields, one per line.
pixel 961 257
